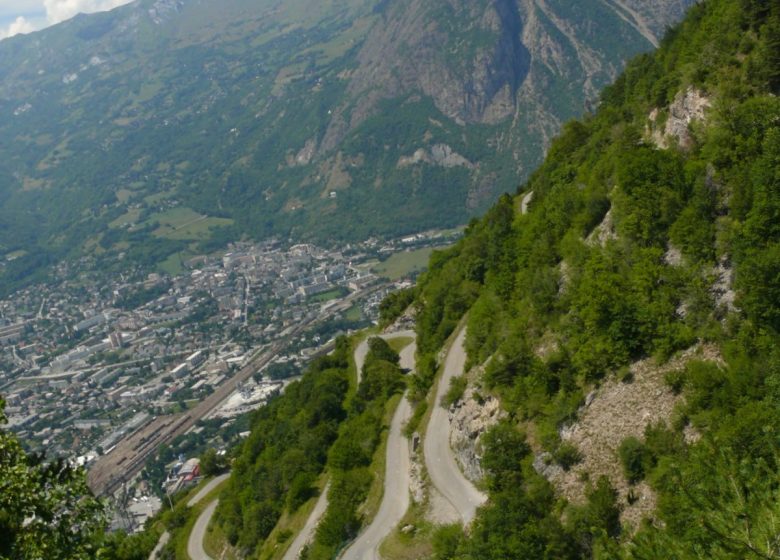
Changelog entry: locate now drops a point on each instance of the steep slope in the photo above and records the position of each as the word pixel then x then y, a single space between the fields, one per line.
pixel 333 120
pixel 625 305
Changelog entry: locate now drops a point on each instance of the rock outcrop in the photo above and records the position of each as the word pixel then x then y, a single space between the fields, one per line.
pixel 439 154
pixel 723 288
pixel 689 106
pixel 604 232
pixel 470 418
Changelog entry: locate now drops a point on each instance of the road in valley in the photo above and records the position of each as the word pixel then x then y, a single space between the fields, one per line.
pixel 395 500
pixel 439 458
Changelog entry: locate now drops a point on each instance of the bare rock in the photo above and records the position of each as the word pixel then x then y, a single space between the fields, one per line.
pixel 604 232
pixel 723 288
pixel 469 420
pixel 673 256
pixel 441 155
pixel 306 153
pixel 544 465
pixel 689 106
pixel 526 201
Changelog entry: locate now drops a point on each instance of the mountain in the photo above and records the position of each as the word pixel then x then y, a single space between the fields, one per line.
pixel 624 309
pixel 622 316
pixel 171 126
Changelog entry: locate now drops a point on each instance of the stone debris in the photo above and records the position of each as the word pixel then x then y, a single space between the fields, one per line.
pixel 417 484
pixel 612 413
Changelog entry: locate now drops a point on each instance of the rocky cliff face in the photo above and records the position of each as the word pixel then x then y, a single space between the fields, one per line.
pixel 467 57
pixel 497 57
pixel 689 106
pixel 470 418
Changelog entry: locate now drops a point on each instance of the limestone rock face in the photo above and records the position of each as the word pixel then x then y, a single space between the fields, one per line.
pixel 490 61
pixel 688 106
pixel 440 154
pixel 469 420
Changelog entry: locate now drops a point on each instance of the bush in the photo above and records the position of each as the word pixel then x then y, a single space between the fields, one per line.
pixel 675 380
pixel 455 392
pixel 284 536
pixel 445 541
pixel 567 455
pixel 632 456
pixel 414 421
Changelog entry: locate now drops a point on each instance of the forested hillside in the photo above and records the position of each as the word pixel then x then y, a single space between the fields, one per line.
pixel 277 467
pixel 646 249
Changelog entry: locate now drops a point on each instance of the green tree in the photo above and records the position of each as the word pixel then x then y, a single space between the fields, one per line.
pixel 46 509
pixel 632 456
pixel 211 463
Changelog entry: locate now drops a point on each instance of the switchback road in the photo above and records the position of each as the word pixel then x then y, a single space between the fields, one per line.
pixel 439 458
pixel 307 533
pixel 395 500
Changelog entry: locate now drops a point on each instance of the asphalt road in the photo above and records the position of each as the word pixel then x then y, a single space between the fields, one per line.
pixel 362 350
pixel 203 492
pixel 307 533
pixel 439 458
pixel 195 548
pixel 165 537
pixel 395 500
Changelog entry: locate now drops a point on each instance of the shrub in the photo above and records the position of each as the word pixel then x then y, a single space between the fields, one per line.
pixel 632 456
pixel 567 455
pixel 445 541
pixel 675 380
pixel 455 392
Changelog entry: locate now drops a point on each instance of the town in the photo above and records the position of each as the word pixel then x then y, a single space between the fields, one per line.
pixel 103 370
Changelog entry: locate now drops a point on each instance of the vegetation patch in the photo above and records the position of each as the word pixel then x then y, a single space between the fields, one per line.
pixel 404 264
pixel 185 224
pixel 355 460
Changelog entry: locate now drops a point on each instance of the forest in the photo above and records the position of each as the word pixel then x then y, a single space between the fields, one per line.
pixel 618 259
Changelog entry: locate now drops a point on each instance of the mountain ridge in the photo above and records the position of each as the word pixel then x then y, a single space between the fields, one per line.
pixel 287 118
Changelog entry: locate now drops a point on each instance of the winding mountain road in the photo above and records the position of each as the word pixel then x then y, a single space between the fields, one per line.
pixel 306 534
pixel 439 458
pixel 395 500
pixel 195 548
pixel 202 493
pixel 362 351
